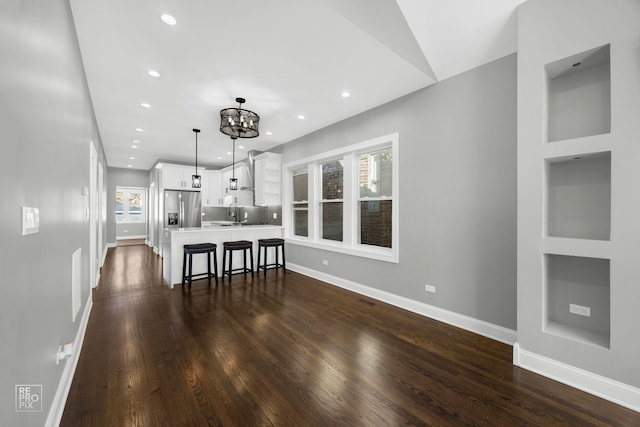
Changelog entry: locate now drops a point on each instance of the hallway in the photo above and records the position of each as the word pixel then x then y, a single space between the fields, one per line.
pixel 292 351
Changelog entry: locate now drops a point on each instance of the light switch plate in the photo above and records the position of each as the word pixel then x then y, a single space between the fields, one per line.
pixel 30 220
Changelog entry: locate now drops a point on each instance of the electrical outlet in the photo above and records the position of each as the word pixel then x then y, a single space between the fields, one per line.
pixel 580 310
pixel 429 288
pixel 325 262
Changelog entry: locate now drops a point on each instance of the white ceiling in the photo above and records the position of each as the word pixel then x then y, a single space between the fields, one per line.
pixel 286 57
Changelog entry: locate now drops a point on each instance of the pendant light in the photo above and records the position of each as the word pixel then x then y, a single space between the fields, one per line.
pixel 233 182
pixel 239 122
pixel 196 180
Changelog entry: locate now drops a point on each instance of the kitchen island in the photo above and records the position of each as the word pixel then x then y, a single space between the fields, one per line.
pixel 176 238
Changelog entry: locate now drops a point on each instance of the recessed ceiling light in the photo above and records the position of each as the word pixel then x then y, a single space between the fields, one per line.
pixel 135 141
pixel 346 94
pixel 241 147
pixel 219 158
pixel 168 19
pixel 139 130
pixel 132 158
pixel 229 153
pixel 300 117
pixel 129 166
pixel 134 146
pixel 269 132
pixel 145 105
pixel 153 73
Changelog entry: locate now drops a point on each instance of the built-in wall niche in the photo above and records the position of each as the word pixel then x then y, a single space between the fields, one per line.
pixel 579 95
pixel 577 285
pixel 578 194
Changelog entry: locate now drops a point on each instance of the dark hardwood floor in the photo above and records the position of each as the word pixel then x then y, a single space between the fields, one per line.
pixel 288 350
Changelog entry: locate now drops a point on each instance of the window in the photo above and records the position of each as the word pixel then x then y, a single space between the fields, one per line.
pixel 130 204
pixel 300 204
pixel 375 172
pixel 346 200
pixel 331 203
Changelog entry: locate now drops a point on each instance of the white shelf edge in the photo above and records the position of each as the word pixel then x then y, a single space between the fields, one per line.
pixel 577 247
pixel 577 146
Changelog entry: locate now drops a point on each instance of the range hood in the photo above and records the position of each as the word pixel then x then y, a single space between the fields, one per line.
pixel 251 167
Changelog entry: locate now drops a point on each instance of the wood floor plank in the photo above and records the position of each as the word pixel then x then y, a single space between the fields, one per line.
pixel 288 350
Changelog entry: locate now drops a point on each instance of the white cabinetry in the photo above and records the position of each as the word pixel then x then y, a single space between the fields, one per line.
pixel 178 177
pixel 212 188
pixel 241 173
pixel 243 196
pixel 267 179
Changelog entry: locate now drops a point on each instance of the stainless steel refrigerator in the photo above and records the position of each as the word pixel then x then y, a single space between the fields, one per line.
pixel 182 209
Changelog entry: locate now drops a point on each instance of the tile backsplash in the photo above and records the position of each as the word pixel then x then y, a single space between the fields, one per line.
pixel 248 214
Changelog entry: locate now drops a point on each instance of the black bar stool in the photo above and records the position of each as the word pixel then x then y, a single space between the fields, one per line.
pixel 271 243
pixel 201 248
pixel 238 245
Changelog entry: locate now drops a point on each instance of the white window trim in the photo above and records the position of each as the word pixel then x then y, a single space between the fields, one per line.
pixel 349 245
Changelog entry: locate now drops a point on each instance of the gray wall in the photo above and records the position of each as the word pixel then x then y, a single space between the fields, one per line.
pixel 119 177
pixel 46 125
pixel 457 194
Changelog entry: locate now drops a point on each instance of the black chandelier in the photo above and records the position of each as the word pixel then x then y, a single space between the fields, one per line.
pixel 196 180
pixel 238 122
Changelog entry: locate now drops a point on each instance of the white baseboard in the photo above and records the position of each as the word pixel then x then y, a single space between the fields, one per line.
pixel 112 245
pixel 104 254
pixel 606 388
pixel 141 236
pixel 60 398
pixel 489 330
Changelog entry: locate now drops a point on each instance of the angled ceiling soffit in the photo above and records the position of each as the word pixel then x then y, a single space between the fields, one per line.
pixel 384 21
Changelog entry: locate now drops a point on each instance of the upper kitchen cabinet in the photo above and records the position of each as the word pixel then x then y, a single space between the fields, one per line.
pixel 243 196
pixel 267 179
pixel 212 188
pixel 241 172
pixel 178 177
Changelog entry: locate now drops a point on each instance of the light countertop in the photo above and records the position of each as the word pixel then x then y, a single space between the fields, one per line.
pixel 219 226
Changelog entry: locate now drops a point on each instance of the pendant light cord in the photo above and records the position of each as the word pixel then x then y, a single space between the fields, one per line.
pixel 233 161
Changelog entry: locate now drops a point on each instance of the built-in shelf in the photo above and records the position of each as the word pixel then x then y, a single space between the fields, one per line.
pixel 584 282
pixel 579 95
pixel 267 186
pixel 577 247
pixel 583 146
pixel 577 211
pixel 578 193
